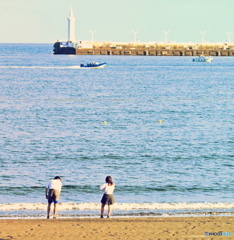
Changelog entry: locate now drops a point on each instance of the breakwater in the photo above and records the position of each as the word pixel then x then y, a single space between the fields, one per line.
pixel 140 49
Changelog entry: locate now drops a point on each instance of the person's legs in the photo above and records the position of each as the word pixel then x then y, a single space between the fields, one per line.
pixel 109 210
pixel 102 210
pixel 56 195
pixel 50 201
pixel 55 210
pixel 48 210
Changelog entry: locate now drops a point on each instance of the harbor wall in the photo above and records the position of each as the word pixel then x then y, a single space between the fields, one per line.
pixel 159 52
pixel 148 50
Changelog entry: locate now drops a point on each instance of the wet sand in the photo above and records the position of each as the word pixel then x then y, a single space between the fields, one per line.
pixel 153 228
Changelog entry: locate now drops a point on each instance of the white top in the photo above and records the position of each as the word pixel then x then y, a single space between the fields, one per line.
pixel 54 184
pixel 109 189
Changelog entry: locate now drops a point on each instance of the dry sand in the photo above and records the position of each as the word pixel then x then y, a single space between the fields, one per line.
pixel 153 228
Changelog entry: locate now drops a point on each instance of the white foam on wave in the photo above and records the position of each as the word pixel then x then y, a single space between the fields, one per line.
pixel 119 206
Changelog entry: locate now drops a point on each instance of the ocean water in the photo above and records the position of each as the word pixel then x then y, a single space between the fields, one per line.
pixel 162 127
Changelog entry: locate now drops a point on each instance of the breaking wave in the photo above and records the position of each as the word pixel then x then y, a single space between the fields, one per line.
pixel 118 206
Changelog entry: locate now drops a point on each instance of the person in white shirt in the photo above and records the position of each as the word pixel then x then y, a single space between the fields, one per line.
pixel 53 189
pixel 108 197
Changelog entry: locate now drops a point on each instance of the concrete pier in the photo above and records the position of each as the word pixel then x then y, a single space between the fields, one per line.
pixel 142 49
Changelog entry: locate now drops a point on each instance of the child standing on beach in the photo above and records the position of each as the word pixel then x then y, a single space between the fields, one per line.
pixel 108 197
pixel 53 189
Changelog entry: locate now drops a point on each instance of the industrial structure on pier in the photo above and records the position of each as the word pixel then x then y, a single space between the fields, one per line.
pixel 71 46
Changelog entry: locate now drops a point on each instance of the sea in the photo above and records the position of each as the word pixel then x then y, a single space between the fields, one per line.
pixel 162 127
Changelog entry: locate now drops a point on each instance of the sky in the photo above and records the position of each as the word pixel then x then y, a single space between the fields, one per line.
pixel 45 21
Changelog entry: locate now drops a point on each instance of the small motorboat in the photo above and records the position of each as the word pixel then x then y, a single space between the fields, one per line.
pixel 202 58
pixel 93 65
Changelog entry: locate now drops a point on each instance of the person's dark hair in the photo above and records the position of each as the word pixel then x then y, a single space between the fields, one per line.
pixel 57 177
pixel 109 180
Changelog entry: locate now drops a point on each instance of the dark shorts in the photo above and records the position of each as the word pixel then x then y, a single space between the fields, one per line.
pixel 53 196
pixel 108 199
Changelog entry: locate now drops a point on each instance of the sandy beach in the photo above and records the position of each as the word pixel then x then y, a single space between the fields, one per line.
pixel 118 228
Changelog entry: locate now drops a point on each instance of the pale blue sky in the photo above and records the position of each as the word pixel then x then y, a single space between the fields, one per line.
pixel 45 21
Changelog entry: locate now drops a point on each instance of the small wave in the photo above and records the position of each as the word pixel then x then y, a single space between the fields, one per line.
pixel 118 206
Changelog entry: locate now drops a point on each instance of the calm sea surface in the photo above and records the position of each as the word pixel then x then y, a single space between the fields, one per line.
pixel 162 127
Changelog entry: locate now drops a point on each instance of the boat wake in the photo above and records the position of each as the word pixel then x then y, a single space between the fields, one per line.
pixel 43 67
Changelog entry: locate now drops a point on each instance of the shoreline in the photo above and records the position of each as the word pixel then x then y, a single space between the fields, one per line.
pixel 115 216
pixel 121 210
pixel 136 228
